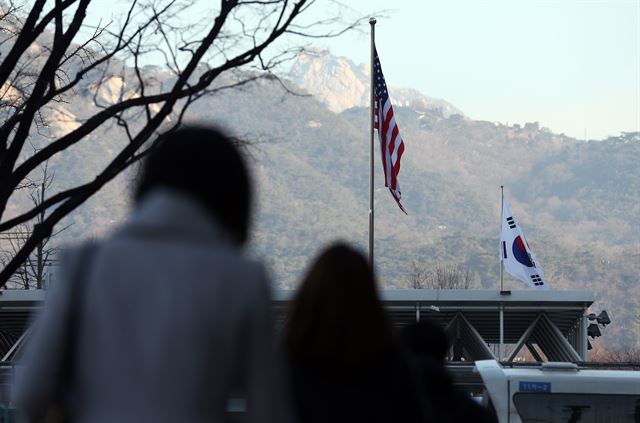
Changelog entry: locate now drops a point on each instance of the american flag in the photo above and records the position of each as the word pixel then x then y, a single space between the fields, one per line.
pixel 391 144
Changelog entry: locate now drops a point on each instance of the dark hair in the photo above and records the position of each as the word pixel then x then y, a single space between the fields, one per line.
pixel 426 339
pixel 205 164
pixel 336 315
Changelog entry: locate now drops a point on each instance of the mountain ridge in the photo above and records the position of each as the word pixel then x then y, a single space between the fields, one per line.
pixel 576 200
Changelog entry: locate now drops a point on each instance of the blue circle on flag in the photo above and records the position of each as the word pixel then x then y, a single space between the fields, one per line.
pixel 520 252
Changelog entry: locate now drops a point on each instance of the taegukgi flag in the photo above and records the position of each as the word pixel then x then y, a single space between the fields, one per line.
pixel 515 254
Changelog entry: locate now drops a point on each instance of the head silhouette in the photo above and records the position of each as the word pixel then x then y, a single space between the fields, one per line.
pixel 426 339
pixel 204 164
pixel 336 314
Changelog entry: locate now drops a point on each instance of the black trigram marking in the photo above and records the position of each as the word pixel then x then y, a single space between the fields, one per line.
pixel 511 222
pixel 504 249
pixel 537 280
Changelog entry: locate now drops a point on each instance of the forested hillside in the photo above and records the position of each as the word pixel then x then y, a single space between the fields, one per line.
pixel 577 201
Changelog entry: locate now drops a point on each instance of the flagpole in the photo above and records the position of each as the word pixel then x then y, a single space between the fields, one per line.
pixel 501 219
pixel 372 22
pixel 501 346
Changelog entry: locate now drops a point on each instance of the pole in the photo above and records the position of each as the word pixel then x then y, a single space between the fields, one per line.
pixel 372 22
pixel 584 340
pixel 501 349
pixel 501 218
pixel 40 248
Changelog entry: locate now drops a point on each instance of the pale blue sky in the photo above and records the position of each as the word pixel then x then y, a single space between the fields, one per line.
pixel 571 65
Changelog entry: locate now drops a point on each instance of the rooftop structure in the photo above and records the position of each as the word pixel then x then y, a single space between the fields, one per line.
pixel 552 325
pixel 481 324
pixel 17 308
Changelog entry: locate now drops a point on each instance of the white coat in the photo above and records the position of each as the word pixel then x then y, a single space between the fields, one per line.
pixel 174 321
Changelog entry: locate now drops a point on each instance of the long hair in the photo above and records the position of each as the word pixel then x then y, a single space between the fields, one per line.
pixel 336 315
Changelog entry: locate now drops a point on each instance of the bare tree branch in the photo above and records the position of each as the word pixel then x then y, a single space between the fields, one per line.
pixel 239 35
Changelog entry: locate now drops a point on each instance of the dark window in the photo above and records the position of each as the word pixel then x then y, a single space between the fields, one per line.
pixel 574 408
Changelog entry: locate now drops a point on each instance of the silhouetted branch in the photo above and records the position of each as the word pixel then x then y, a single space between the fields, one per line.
pixel 32 85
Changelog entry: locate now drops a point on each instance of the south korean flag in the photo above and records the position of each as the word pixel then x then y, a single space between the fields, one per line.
pixel 517 257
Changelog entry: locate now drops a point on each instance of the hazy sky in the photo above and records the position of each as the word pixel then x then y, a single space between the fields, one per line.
pixel 571 65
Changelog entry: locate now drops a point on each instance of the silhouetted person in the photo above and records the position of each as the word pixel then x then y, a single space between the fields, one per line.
pixel 428 343
pixel 165 320
pixel 345 363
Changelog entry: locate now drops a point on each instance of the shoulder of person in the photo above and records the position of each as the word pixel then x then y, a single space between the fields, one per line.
pixel 257 273
pixel 73 260
pixel 71 255
pixel 251 272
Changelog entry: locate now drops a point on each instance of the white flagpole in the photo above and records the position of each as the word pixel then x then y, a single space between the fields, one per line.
pixel 372 22
pixel 501 252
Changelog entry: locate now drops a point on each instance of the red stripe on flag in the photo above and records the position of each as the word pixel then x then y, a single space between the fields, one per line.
pixel 392 143
pixel 396 167
pixel 383 144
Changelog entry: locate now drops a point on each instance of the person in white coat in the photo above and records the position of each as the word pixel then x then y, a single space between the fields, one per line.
pixel 166 320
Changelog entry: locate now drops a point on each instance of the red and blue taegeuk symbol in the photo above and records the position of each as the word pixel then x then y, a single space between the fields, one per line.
pixel 520 252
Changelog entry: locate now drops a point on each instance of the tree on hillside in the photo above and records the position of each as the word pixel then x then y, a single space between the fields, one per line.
pixel 32 271
pixel 615 354
pixel 418 276
pixel 442 276
pixel 48 48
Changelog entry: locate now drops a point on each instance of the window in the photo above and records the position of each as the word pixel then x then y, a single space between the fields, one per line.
pixel 589 408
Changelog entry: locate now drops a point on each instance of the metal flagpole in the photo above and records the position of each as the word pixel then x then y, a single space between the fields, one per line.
pixel 501 347
pixel 501 252
pixel 372 22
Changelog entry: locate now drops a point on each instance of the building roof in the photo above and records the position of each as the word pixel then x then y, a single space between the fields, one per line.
pixel 480 307
pixel 477 312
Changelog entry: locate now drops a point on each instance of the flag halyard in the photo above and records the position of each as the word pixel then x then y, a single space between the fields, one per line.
pixel 391 143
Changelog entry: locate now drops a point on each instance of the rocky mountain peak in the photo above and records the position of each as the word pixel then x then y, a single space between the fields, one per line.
pixel 341 84
pixel 335 81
